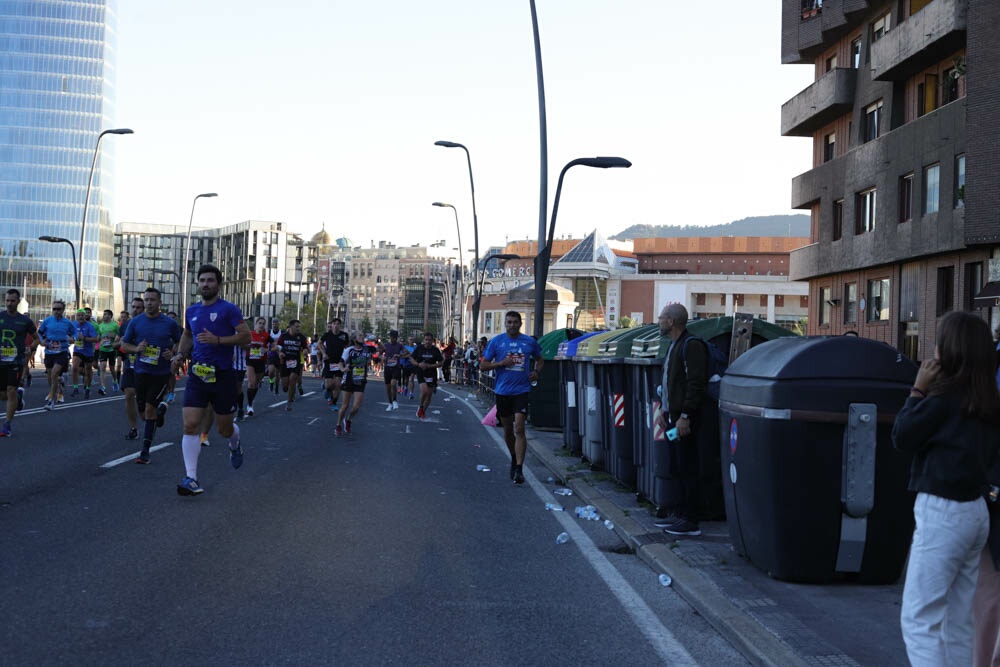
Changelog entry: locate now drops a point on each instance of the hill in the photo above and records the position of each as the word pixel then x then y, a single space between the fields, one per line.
pixel 761 225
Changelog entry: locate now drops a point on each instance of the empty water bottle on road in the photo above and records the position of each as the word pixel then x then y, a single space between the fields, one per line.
pixel 554 507
pixel 562 538
pixel 665 580
pixel 482 468
pixel 609 524
pixel 563 492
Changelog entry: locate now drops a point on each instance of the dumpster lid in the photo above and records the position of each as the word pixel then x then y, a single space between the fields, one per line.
pixel 824 357
pixel 550 342
pixel 590 346
pixel 620 344
pixel 567 348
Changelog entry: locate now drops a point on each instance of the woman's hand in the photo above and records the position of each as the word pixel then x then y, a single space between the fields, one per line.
pixel 929 370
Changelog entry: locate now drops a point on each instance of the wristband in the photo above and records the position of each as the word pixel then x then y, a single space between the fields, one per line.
pixel 923 394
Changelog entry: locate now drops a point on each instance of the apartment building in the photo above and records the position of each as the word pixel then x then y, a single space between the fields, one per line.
pixel 905 96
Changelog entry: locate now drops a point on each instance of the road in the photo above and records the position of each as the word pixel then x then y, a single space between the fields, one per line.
pixel 383 547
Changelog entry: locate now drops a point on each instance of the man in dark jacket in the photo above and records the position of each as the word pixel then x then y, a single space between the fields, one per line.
pixel 684 389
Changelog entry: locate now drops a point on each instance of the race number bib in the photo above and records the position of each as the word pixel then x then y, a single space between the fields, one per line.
pixel 8 354
pixel 53 346
pixel 358 373
pixel 518 362
pixel 131 359
pixel 291 363
pixel 150 355
pixel 392 362
pixel 204 372
pixel 334 366
pixel 256 352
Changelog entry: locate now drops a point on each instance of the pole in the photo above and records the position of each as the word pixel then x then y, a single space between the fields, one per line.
pixel 541 270
pixel 187 253
pixel 76 275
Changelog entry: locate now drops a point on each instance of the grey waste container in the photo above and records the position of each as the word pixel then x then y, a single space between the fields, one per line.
pixel 568 393
pixel 814 489
pixel 591 409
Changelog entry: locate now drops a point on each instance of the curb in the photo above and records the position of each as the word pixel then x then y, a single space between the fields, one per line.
pixel 758 645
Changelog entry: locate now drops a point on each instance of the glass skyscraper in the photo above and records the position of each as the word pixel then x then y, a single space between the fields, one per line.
pixel 57 78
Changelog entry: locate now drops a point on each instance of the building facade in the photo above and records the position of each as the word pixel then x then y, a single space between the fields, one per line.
pixel 905 96
pixel 57 86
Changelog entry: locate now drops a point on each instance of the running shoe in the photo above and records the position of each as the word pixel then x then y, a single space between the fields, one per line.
pixel 241 415
pixel 249 411
pixel 5 429
pixel 20 398
pixel 86 393
pixel 518 475
pixel 421 414
pixel 301 390
pixel 102 391
pixel 388 408
pixel 513 470
pixel 76 392
pixel 334 408
pixel 61 399
pixel 50 404
pixel 347 425
pixel 288 407
pixel 161 413
pixel 189 487
pixel 236 456
pixel 395 405
pixel 339 430
pixel 114 387
pixel 133 434
pixel 143 458
pixel 204 441
pixel 170 397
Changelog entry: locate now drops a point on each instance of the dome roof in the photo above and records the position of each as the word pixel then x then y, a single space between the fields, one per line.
pixel 321 237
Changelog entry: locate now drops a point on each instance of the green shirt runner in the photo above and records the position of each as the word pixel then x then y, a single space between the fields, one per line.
pixel 108 331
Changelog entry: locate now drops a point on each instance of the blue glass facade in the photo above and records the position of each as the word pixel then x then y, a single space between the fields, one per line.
pixel 57 74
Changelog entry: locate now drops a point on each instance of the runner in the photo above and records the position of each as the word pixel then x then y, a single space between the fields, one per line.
pixel 108 331
pixel 214 326
pixel 240 369
pixel 392 352
pixel 119 368
pixel 174 377
pixel 14 328
pixel 356 359
pixel 428 359
pixel 152 337
pixel 409 368
pixel 56 333
pixel 128 373
pixel 273 362
pixel 331 349
pixel 314 355
pixel 84 337
pixel 291 345
pixel 256 360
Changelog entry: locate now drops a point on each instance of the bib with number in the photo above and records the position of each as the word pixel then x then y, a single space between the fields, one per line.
pixel 392 362
pixel 518 362
pixel 53 346
pixel 334 366
pixel 291 363
pixel 204 372
pixel 150 356
pixel 8 354
pixel 256 352
pixel 358 373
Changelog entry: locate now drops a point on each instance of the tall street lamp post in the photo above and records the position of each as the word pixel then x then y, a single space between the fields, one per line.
pixel 187 253
pixel 86 205
pixel 72 248
pixel 461 264
pixel 545 246
pixel 475 230
pixel 169 272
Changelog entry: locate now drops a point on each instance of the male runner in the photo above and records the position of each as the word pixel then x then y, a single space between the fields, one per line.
pixel 428 359
pixel 56 333
pixel 273 362
pixel 392 353
pixel 510 353
pixel 84 337
pixel 409 368
pixel 14 327
pixel 214 326
pixel 256 360
pixel 174 377
pixel 291 346
pixel 356 359
pixel 108 331
pixel 152 337
pixel 123 319
pixel 240 369
pixel 331 348
pixel 128 373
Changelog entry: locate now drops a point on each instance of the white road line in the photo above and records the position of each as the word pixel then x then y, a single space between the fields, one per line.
pixel 670 651
pixel 77 404
pixel 133 456
pixel 313 421
pixel 308 393
pixel 274 405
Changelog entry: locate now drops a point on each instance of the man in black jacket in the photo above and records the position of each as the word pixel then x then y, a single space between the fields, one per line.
pixel 684 389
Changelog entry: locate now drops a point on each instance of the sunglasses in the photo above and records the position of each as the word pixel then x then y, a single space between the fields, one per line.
pixel 60 309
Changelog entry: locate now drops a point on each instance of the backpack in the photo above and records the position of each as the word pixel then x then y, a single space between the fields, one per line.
pixel 718 361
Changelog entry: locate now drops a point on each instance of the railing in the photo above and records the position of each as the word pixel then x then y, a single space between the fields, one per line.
pixel 811 8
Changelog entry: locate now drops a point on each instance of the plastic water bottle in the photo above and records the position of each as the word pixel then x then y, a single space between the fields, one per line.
pixel 563 491
pixel 665 580
pixel 554 507
pixel 609 524
pixel 482 468
pixel 562 538
pixel 534 383
pixel 672 434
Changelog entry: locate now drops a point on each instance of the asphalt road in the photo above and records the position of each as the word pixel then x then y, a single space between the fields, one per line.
pixel 383 547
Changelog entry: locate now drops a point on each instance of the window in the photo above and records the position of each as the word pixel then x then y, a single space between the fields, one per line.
pixel 829 146
pixel 831 62
pixel 851 303
pixel 949 85
pixel 838 219
pixel 878 300
pixel 824 306
pixel 873 116
pixel 932 188
pixel 856 52
pixel 945 290
pixel 881 26
pixel 864 211
pixel 906 198
pixel 960 180
pixel 973 283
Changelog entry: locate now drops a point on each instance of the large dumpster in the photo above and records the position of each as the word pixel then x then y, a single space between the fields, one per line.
pixel 618 395
pixel 566 368
pixel 814 489
pixel 645 370
pixel 589 400
pixel 544 409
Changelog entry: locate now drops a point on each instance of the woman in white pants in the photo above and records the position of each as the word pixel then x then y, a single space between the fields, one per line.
pixel 951 424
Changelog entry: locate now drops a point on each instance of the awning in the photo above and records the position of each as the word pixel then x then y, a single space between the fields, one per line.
pixel 988 297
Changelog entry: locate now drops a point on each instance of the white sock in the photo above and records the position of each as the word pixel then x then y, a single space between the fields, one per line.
pixel 234 439
pixel 191 448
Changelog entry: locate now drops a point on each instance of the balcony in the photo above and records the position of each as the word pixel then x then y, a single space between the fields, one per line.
pixel 831 96
pixel 920 41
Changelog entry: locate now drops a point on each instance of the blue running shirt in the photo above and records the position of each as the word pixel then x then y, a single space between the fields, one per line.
pixel 513 381
pixel 58 333
pixel 160 333
pixel 219 319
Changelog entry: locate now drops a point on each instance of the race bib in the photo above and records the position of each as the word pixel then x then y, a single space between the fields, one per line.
pixel 334 366
pixel 53 346
pixel 256 353
pixel 8 354
pixel 291 363
pixel 358 373
pixel 106 341
pixel 392 362
pixel 204 372
pixel 131 359
pixel 518 362
pixel 150 356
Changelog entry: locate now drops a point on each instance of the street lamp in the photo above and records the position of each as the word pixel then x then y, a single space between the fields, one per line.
pixel 170 272
pixel 187 252
pixel 86 205
pixel 76 275
pixel 461 262
pixel 545 246
pixel 475 231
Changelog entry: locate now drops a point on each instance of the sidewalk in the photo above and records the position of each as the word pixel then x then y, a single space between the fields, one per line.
pixel 771 622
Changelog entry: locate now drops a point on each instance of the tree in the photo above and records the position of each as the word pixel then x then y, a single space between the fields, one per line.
pixel 626 322
pixel 382 328
pixel 366 325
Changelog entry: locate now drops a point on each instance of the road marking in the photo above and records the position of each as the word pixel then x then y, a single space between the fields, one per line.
pixel 663 641
pixel 313 421
pixel 132 457
pixel 76 404
pixel 274 405
pixel 408 429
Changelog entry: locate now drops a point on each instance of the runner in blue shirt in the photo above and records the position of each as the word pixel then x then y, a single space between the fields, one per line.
pixel 511 353
pixel 56 333
pixel 152 337
pixel 213 328
pixel 84 337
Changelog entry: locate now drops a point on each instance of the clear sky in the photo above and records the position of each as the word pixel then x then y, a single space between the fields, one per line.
pixel 326 111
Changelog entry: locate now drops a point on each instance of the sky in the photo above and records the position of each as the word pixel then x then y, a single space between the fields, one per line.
pixel 325 112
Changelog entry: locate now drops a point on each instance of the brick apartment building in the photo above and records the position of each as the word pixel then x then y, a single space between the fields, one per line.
pixel 906 94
